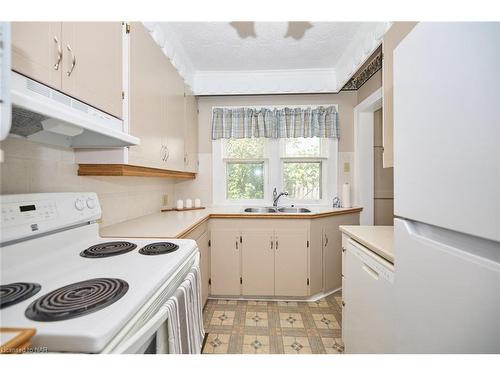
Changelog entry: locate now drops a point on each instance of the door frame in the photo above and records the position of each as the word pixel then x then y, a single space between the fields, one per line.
pixel 363 155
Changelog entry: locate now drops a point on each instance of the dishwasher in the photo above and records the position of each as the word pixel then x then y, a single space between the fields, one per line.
pixel 368 301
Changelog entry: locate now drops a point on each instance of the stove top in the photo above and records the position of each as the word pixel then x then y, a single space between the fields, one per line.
pixel 108 249
pixel 159 248
pixel 10 294
pixel 74 300
pixel 82 303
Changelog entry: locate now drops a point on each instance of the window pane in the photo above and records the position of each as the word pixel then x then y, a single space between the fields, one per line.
pixel 302 180
pixel 245 148
pixel 245 180
pixel 297 147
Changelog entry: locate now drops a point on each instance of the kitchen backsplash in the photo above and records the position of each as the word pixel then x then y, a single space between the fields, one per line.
pixel 30 167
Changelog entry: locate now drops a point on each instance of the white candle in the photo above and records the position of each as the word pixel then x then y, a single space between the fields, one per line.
pixel 197 202
pixel 346 195
pixel 180 204
pixel 189 203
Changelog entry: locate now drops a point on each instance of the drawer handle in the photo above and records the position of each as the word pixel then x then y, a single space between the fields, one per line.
pixel 59 53
pixel 370 271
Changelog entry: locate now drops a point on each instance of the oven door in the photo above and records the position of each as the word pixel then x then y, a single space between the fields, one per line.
pixel 152 338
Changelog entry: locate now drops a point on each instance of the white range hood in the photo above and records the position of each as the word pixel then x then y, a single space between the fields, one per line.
pixel 42 114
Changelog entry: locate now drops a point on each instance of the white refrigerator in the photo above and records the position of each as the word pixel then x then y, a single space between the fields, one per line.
pixel 447 189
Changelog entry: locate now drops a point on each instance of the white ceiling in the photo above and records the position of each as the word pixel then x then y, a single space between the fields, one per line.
pixel 214 59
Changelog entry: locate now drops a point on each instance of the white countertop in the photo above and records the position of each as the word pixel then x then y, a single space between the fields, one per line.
pixel 378 238
pixel 174 224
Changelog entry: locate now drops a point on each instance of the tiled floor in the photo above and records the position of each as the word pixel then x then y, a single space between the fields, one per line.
pixel 261 327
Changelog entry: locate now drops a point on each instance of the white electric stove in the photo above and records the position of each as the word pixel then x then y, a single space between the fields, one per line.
pixel 81 292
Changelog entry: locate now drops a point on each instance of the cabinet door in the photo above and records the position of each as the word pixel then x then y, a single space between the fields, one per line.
pixel 257 262
pixel 332 258
pixel 290 263
pixel 95 49
pixel 190 132
pixel 175 119
pixel 147 98
pixel 202 242
pixel 225 262
pixel 37 51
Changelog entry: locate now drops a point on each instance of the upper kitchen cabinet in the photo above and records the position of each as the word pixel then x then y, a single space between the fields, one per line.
pixel 175 118
pixel 392 38
pixel 92 64
pixel 190 131
pixel 162 112
pixel 37 51
pixel 147 99
pixel 81 59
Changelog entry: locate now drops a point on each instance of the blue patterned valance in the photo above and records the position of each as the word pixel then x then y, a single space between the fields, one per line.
pixel 275 123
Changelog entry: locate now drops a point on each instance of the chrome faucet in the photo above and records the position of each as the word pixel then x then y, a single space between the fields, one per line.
pixel 277 196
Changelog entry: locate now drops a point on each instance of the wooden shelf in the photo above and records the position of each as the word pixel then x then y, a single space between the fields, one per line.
pixel 130 170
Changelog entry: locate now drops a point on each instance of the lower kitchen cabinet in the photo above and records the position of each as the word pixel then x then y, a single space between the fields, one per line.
pixel 225 260
pixel 202 237
pixel 290 263
pixel 204 265
pixel 257 262
pixel 277 257
pixel 332 258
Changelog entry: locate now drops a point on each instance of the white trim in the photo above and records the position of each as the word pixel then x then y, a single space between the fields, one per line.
pixel 264 82
pixel 273 171
pixel 363 155
pixel 312 298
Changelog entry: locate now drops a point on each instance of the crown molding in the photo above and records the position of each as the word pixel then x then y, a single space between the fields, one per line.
pixel 360 77
pixel 264 82
pixel 359 50
pixel 166 39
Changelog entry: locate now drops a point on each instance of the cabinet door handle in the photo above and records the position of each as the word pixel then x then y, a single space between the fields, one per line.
pixel 59 53
pixel 326 240
pixel 73 60
pixel 276 244
pixel 236 244
pixel 272 244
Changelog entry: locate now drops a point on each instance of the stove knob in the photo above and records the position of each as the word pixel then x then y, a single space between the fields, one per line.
pixel 79 204
pixel 91 203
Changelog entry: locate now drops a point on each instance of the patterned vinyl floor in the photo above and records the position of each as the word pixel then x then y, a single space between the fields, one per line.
pixel 268 327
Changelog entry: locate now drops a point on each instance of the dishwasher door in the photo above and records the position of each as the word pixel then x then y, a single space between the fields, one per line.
pixel 368 311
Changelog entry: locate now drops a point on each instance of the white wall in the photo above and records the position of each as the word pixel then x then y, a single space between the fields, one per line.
pixel 36 168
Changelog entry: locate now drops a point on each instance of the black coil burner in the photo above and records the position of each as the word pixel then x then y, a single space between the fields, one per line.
pixel 10 294
pixel 76 299
pixel 108 249
pixel 158 248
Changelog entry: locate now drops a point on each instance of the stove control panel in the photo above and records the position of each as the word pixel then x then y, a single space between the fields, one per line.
pixel 28 214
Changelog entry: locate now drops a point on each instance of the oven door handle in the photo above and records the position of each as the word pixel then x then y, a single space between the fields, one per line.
pixel 137 340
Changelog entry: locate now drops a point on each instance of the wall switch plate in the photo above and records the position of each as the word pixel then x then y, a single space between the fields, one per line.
pixel 347 167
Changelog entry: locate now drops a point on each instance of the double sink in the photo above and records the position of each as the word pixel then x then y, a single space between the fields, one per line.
pixel 276 210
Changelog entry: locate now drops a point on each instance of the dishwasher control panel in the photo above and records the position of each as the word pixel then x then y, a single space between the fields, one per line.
pixel 372 263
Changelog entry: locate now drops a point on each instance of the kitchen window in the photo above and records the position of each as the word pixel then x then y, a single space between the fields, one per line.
pixel 246 170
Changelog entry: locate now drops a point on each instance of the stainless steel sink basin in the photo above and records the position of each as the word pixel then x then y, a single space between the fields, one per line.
pixel 293 210
pixel 261 209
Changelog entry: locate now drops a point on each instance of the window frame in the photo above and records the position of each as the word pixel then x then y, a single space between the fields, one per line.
pixel 273 159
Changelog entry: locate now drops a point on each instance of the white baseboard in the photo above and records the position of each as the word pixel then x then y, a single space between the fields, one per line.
pixel 313 298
